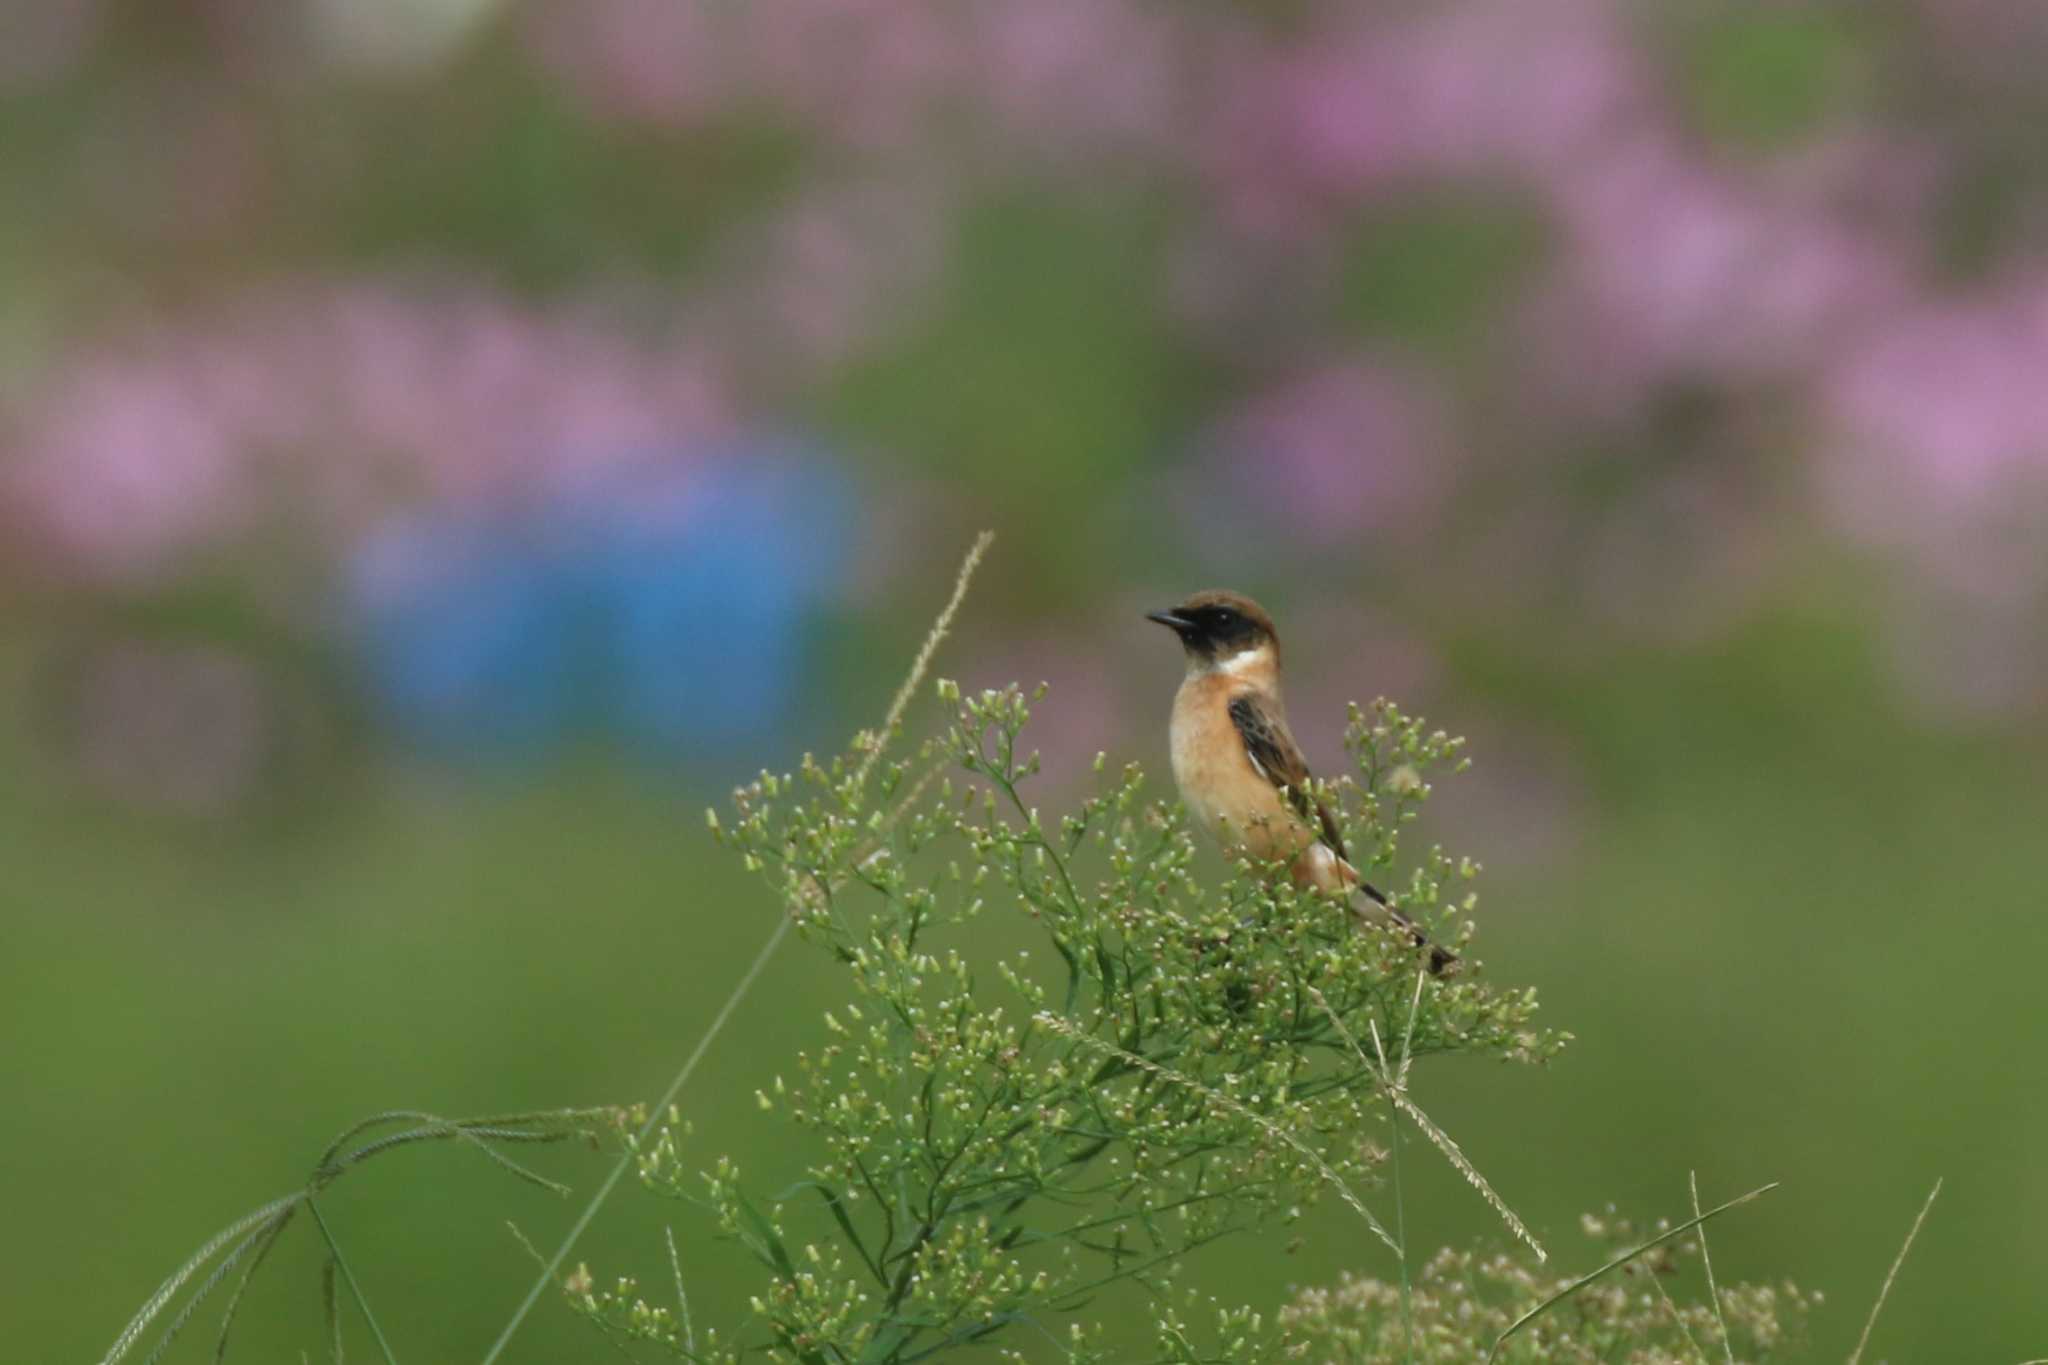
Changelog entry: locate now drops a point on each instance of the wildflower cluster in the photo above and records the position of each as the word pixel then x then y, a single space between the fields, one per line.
pixel 1463 1302
pixel 998 1141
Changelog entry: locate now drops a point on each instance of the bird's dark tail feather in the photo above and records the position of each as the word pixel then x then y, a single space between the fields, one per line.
pixel 1442 961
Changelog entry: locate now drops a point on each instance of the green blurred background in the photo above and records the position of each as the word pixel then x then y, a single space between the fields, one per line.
pixel 445 443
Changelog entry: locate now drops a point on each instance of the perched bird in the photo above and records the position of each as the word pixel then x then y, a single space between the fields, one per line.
pixel 1238 767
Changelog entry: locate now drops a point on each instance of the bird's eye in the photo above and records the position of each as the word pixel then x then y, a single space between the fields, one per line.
pixel 1223 618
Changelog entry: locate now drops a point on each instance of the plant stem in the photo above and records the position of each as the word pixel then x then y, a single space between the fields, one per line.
pixel 348 1277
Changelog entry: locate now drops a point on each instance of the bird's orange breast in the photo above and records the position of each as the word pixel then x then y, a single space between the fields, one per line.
pixel 1225 794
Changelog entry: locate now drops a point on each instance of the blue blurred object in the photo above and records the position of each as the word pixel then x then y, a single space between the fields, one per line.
pixel 663 606
pixel 704 593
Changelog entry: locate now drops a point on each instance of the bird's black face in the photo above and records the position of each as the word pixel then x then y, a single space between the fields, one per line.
pixel 1213 630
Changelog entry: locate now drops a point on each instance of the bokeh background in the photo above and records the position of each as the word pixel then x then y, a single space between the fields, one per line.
pixel 445 443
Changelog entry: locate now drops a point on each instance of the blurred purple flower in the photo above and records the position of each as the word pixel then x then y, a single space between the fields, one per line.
pixel 1934 451
pixel 1670 269
pixel 1500 84
pixel 1086 74
pixel 857 71
pixel 1939 440
pixel 867 72
pixel 890 75
pixel 128 466
pixel 1352 449
pixel 1664 265
pixel 328 407
pixel 837 269
pixel 1363 103
pixel 649 60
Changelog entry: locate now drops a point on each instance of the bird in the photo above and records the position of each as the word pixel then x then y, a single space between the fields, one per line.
pixel 1240 772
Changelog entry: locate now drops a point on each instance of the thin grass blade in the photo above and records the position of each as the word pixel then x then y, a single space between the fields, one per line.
pixel 227 1320
pixel 445 1131
pixel 1582 1281
pixel 357 1129
pixel 168 1290
pixel 330 1304
pixel 675 1264
pixel 206 1287
pixel 1397 1092
pixel 1678 1318
pixel 1884 1291
pixel 1707 1260
pixel 348 1277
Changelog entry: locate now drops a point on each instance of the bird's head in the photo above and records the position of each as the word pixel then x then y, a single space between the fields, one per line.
pixel 1219 628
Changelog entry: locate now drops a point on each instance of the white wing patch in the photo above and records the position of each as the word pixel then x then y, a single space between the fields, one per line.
pixel 1257 766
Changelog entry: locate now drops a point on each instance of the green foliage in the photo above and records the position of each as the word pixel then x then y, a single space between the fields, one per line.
pixel 1039 298
pixel 547 188
pixel 999 1142
pixel 1763 77
pixel 1432 271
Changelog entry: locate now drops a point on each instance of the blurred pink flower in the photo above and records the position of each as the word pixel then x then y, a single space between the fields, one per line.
pixel 1351 449
pixel 891 75
pixel 1077 73
pixel 128 465
pixel 866 72
pixel 650 60
pixel 837 268
pixel 328 407
pixel 1528 88
pixel 1934 451
pixel 1360 103
pixel 1669 268
pixel 1938 440
pixel 858 71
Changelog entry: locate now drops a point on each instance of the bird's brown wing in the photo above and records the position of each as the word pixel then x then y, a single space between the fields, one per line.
pixel 1278 759
pixel 1273 752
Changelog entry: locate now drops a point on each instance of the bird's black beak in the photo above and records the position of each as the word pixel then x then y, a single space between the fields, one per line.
pixel 1180 625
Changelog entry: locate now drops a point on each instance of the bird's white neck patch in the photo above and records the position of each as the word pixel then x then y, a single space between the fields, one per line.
pixel 1244 661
